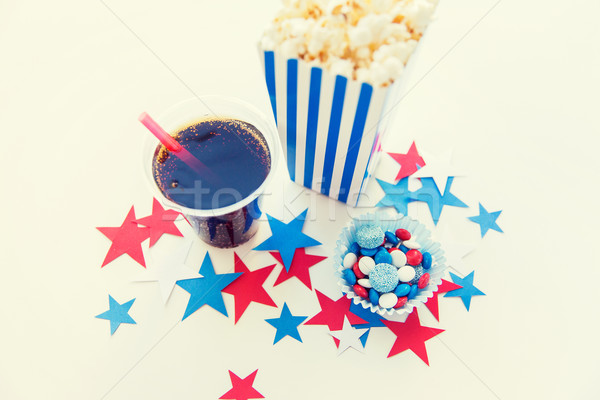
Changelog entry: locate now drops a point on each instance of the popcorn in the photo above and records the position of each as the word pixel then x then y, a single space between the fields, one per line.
pixel 365 40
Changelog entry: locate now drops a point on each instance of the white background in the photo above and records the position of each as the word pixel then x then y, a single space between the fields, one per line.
pixel 516 98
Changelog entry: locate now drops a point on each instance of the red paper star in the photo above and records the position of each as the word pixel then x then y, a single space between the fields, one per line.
pixel 242 388
pixel 432 303
pixel 299 268
pixel 248 287
pixel 410 335
pixel 126 239
pixel 333 312
pixel 408 162
pixel 160 222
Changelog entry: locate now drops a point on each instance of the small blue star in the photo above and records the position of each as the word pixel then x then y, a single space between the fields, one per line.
pixel 286 325
pixel 373 320
pixel 207 290
pixel 430 194
pixel 117 314
pixel 467 291
pixel 286 238
pixel 397 195
pixel 486 220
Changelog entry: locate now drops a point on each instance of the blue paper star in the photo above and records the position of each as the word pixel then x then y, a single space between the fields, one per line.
pixel 486 220
pixel 373 320
pixel 207 290
pixel 397 195
pixel 467 291
pixel 117 314
pixel 430 194
pixel 286 325
pixel 286 238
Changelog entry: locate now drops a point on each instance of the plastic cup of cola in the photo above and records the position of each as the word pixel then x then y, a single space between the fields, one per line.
pixel 238 148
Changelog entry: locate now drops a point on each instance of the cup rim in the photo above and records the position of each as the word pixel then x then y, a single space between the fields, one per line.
pixel 271 137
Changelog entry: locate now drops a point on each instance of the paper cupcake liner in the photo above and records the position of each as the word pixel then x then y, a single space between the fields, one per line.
pixel 391 222
pixel 331 126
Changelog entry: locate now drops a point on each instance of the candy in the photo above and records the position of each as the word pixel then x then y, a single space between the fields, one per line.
pixel 384 278
pixel 413 292
pixel 406 273
pixel 369 236
pixel 366 264
pixel 369 252
pixel 354 248
pixel 349 276
pixel 383 257
pixel 424 281
pixel 402 289
pixel 361 291
pixel 414 257
pixel 359 274
pixel 374 296
pixel 349 260
pixel 391 237
pixel 427 260
pixel 388 300
pixel 418 274
pixel 398 259
pixel 392 249
pixel 401 302
pixel 411 244
pixel 403 234
pixel 364 282
pixel 403 248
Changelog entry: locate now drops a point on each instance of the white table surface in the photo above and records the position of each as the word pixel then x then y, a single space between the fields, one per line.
pixel 515 94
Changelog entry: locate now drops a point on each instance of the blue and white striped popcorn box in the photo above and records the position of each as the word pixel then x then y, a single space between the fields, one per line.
pixel 331 126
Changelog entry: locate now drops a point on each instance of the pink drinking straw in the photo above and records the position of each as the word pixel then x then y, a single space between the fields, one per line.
pixel 178 150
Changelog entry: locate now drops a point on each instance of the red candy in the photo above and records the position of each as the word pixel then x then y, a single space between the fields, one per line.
pixel 391 249
pixel 357 271
pixel 403 234
pixel 401 301
pixel 361 291
pixel 414 257
pixel 423 281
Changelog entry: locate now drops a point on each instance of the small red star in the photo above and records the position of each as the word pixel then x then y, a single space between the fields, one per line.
pixel 242 388
pixel 299 268
pixel 249 287
pixel 432 303
pixel 333 312
pixel 408 162
pixel 410 335
pixel 126 239
pixel 161 221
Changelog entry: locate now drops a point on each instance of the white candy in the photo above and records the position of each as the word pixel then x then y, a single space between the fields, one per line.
pixel 350 260
pixel 366 264
pixel 365 282
pixel 388 300
pixel 406 273
pixel 398 258
pixel 411 244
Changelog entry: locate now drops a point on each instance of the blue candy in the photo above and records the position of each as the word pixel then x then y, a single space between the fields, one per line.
pixel 418 274
pixel 402 289
pixel 349 276
pixel 374 296
pixel 369 236
pixel 369 252
pixel 391 238
pixel 413 292
pixel 403 248
pixel 354 248
pixel 383 257
pixel 384 278
pixel 427 260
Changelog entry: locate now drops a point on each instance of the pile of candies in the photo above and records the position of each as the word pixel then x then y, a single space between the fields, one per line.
pixel 386 268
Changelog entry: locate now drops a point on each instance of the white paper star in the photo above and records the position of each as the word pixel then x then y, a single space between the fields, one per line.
pixel 349 337
pixel 439 168
pixel 454 251
pixel 169 270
